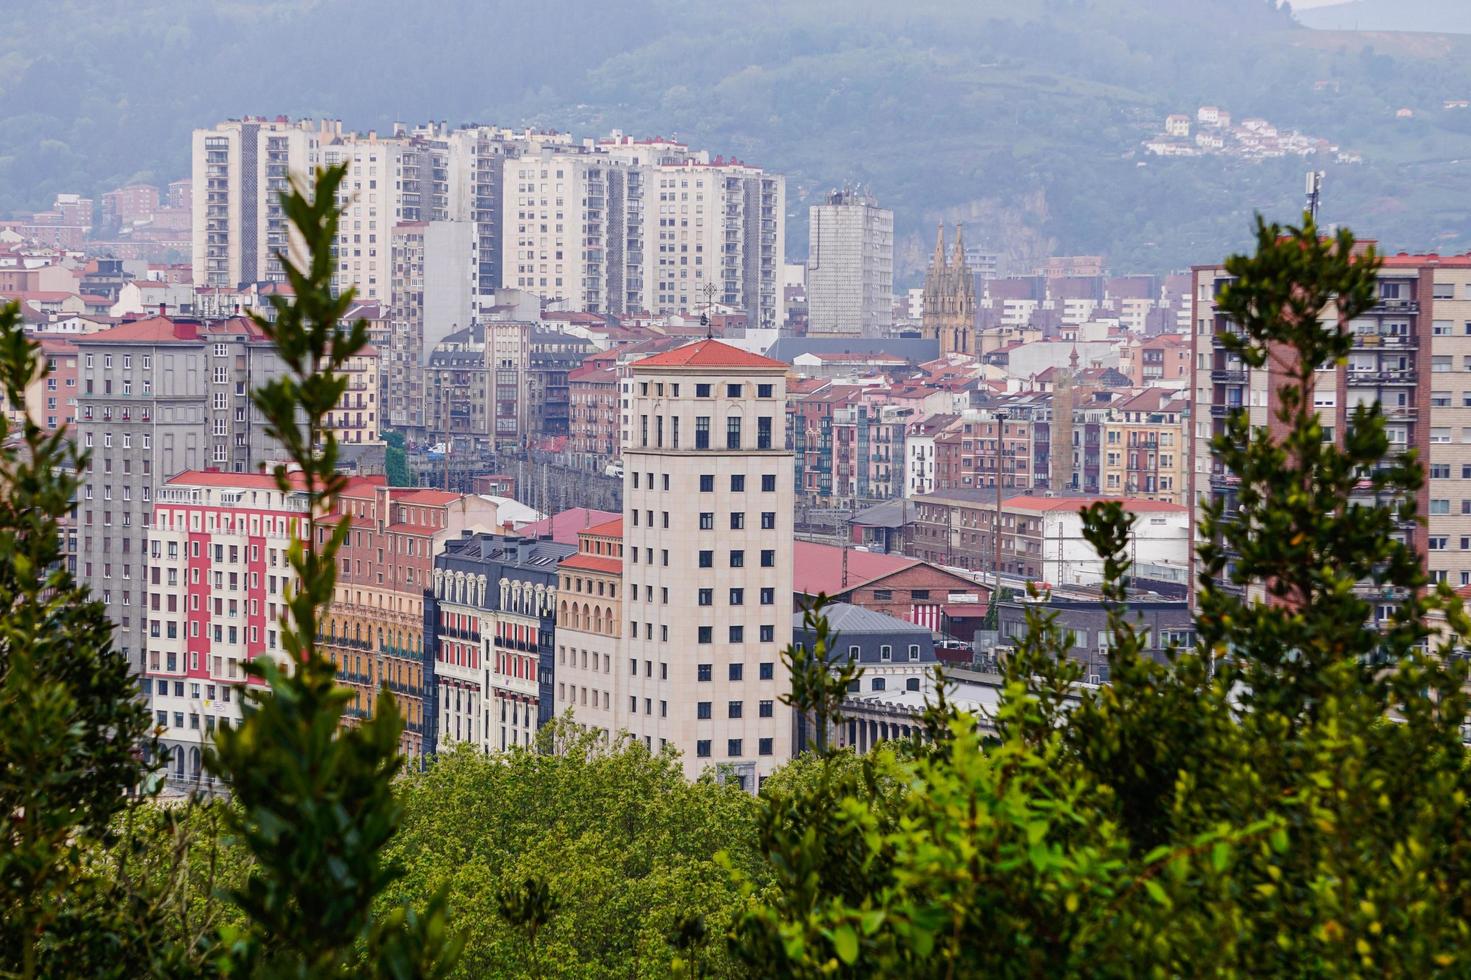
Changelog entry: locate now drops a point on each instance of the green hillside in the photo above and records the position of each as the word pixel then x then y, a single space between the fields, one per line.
pixel 1023 118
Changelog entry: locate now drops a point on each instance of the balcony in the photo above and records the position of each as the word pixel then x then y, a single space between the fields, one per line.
pixel 1229 376
pixel 1224 411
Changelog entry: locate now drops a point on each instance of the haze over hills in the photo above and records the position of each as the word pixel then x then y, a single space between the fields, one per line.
pixel 1023 118
pixel 1438 16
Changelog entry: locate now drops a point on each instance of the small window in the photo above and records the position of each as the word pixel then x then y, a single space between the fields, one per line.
pixel 737 634
pixel 702 672
pixel 886 653
pixel 707 558
pixel 768 482
pixel 702 391
pixel 914 651
pixel 882 595
pixel 738 559
pixel 706 634
pixel 878 684
pixel 765 746
pixel 702 749
pixel 764 391
pixel 767 670
pixel 737 483
pixel 737 671
pixel 707 483
pixel 733 391
pixel 702 709
pixel 733 748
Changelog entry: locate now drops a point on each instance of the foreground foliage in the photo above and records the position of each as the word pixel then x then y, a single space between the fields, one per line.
pixel 1288 797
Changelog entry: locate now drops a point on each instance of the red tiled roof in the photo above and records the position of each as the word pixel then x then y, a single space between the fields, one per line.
pixel 593 563
pixel 709 353
pixel 607 529
pixel 219 478
pixel 161 329
pixel 819 567
pixel 1075 504
pixel 425 497
pixel 565 526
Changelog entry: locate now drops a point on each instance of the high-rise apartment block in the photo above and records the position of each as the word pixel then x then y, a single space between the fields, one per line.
pixel 612 226
pixel 707 559
pixel 1411 355
pixel 850 266
pixel 157 397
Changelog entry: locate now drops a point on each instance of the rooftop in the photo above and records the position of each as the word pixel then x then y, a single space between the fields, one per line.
pixel 846 619
pixel 564 527
pixel 818 568
pixel 709 353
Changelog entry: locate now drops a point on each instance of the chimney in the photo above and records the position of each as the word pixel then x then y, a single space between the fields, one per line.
pixel 163 309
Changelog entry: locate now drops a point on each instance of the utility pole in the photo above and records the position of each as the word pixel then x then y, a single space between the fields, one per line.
pixel 996 526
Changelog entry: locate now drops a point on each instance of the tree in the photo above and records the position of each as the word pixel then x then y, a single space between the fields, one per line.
pixel 1287 797
pixel 314 801
pixel 614 833
pixel 74 736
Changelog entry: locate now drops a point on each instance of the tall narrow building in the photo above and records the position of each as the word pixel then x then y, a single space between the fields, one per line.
pixel 707 559
pixel 850 266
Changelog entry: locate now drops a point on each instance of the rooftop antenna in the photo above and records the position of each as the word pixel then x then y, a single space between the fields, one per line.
pixel 1314 192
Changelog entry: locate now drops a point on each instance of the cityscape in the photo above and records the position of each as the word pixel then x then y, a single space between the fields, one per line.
pixel 659 452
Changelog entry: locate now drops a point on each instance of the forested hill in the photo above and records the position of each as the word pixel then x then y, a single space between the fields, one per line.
pixel 1024 118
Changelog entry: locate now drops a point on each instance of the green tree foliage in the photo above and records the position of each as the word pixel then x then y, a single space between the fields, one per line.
pixel 313 800
pixel 395 460
pixel 1288 797
pixel 72 732
pixel 617 846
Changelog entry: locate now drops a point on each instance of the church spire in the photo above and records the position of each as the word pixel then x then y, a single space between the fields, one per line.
pixel 958 258
pixel 939 260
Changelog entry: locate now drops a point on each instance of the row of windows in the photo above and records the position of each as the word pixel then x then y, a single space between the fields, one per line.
pixel 732 390
pixel 735 709
pixel 707 482
pixel 702 432
pixel 707 520
pixel 737 597
pixel 736 634
pixel 733 748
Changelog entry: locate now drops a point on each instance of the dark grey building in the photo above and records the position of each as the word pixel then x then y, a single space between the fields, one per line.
pixel 488 651
pixel 1163 622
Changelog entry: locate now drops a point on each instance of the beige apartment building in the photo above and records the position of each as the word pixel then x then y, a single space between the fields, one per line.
pixel 707 561
pixel 590 675
pixel 1412 355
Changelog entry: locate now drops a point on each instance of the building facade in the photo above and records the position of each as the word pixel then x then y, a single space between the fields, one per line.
pixel 707 558
pixel 590 617
pixel 850 266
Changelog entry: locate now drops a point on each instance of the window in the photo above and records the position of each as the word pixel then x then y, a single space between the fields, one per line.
pixel 733 747
pixel 702 672
pixel 707 483
pixel 886 653
pixel 737 671
pixel 1438 435
pixel 707 597
pixel 702 430
pixel 764 391
pixel 768 482
pixel 768 558
pixel 767 670
pixel 763 432
pixel 766 709
pixel 1440 399
pixel 737 559
pixel 768 634
pixel 764 746
pixel 737 520
pixel 768 520
pixel 737 483
pixel 732 391
pixel 633 664
pixel 1438 542
pixel 1442 328
pixel 735 709
pixel 707 521
pixel 737 634
pixel 768 597
pixel 1441 363
pixel 878 684
pixel 707 558
pixel 914 651
pixel 1440 471
pixel 702 391
pixel 1443 290
pixel 706 634
pixel 702 709
pixel 737 597
pixel 702 749
pixel 1440 507
pixel 733 432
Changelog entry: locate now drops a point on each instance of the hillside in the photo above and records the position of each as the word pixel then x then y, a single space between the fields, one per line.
pixel 1440 16
pixel 1023 118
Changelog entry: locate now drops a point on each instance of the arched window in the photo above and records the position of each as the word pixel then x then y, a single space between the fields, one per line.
pixel 912 684
pixel 878 684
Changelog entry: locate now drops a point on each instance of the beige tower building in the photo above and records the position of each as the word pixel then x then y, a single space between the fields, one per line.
pixel 707 559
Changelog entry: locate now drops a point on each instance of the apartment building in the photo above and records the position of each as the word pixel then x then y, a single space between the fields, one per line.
pixel 592 396
pixel 216 589
pixel 707 558
pixel 157 397
pixel 850 266
pixel 1411 355
pixel 1041 537
pixel 478 383
pixel 491 617
pixel 356 418
pixel 590 618
pixel 240 168
pixel 553 358
pixel 376 624
pixel 52 401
